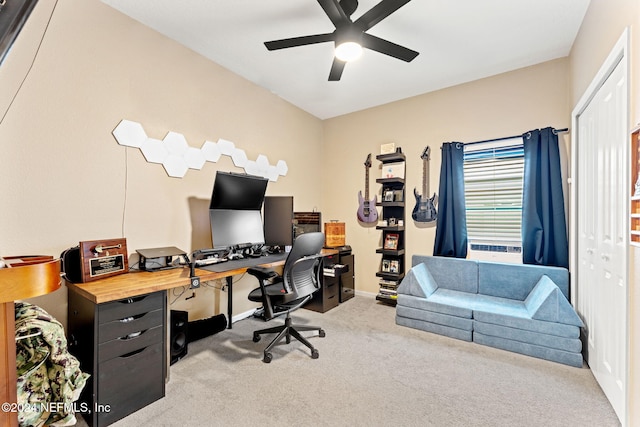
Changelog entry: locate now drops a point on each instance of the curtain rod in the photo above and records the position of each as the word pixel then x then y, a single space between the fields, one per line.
pixel 508 137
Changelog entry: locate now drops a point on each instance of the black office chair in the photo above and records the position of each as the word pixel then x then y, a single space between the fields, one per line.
pixel 280 295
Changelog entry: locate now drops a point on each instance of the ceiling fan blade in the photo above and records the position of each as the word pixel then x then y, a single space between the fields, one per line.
pixel 388 48
pixel 299 41
pixel 335 13
pixel 336 70
pixel 378 12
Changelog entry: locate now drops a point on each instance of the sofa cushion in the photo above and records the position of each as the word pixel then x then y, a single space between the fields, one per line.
pixel 560 356
pixel 515 281
pixel 418 282
pixel 502 306
pixel 447 331
pixel 451 273
pixel 436 305
pixel 526 323
pixel 433 317
pixel 560 343
pixel 546 302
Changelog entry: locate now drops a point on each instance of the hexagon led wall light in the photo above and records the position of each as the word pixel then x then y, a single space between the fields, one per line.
pixel 177 157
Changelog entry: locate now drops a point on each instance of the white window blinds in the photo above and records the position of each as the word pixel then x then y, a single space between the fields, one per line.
pixel 493 174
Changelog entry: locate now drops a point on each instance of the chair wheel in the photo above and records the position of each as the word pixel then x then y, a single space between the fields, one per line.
pixel 267 358
pixel 314 354
pixel 322 333
pixel 256 337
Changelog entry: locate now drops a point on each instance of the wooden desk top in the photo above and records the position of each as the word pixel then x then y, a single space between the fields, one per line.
pixel 143 282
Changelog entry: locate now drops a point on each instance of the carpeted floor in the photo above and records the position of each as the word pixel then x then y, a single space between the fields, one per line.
pixel 371 372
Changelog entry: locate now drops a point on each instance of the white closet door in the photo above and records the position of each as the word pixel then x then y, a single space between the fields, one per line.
pixel 601 215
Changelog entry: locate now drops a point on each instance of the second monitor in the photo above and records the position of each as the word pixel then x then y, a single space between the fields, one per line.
pixel 278 221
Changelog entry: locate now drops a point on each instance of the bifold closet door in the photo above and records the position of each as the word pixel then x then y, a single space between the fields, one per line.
pixel 601 292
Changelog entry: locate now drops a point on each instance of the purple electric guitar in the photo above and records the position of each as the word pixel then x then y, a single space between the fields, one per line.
pixel 367 211
pixel 425 209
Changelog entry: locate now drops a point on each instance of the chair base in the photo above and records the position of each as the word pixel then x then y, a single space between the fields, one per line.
pixel 286 331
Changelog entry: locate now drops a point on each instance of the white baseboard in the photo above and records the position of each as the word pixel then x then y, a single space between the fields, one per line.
pixel 243 315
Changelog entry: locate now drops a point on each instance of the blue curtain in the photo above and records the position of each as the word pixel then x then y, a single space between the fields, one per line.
pixel 544 229
pixel 451 231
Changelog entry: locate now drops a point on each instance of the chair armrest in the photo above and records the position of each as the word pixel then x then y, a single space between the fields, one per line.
pixel 262 273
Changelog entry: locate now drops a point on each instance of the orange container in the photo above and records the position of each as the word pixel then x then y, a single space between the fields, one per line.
pixel 334 234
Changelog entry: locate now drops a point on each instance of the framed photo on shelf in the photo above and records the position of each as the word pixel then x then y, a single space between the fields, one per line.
pixel 392 170
pixel 394 266
pixel 391 241
pixel 388 195
pixel 386 266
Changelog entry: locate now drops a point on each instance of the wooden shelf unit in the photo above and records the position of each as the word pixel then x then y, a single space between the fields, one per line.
pixel 634 204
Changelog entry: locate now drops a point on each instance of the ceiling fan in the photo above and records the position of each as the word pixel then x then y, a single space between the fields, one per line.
pixel 351 34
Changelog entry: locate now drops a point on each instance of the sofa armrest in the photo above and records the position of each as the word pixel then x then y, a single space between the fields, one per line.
pixel 418 282
pixel 546 302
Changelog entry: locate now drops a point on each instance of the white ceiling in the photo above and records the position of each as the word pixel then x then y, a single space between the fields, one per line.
pixel 458 41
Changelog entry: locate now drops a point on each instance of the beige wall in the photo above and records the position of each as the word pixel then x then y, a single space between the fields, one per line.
pixel 503 105
pixel 602 27
pixel 64 177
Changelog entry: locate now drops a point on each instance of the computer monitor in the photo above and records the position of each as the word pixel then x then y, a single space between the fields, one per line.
pixel 238 191
pixel 278 220
pixel 234 227
pixel 235 210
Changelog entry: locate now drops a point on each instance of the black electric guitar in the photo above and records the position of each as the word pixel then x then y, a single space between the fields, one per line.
pixel 367 211
pixel 425 209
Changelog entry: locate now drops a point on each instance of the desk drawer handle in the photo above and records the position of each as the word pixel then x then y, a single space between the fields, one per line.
pixel 131 300
pixel 132 335
pixel 133 353
pixel 132 318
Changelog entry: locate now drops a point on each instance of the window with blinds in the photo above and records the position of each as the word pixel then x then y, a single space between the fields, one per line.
pixel 493 173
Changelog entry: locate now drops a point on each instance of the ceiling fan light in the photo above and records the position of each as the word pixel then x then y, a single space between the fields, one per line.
pixel 348 51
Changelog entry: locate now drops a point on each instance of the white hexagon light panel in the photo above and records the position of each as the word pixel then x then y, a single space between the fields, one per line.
pixel 195 159
pixel 175 166
pixel 130 134
pixel 177 157
pixel 239 158
pixel 154 150
pixel 211 151
pixel 176 143
pixel 226 147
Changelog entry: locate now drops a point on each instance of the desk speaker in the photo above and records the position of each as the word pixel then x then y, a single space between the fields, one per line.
pixel 179 335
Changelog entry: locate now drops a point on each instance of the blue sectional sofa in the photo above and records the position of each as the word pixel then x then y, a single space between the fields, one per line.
pixel 516 307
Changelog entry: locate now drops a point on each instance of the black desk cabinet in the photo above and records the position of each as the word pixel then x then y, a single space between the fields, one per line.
pixel 121 344
pixel 347 279
pixel 334 289
pixel 327 297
